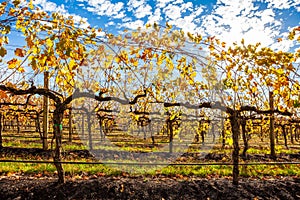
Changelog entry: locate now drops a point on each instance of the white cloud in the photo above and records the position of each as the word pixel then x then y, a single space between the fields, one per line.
pixel 50 6
pixel 283 4
pixel 183 15
pixel 133 25
pixel 53 7
pixel 106 8
pixel 126 19
pixel 198 10
pixel 143 11
pixel 111 23
pixel 120 15
pixel 134 4
pixel 285 44
pixel 233 20
pixel 229 20
pixel 155 17
pixel 186 23
pixel 172 11
pixel 162 3
pixel 139 8
pixel 178 1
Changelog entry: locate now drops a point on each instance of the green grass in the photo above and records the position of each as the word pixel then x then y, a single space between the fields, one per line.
pixel 26 168
pixel 256 147
pixel 22 144
pixel 72 146
pixel 200 171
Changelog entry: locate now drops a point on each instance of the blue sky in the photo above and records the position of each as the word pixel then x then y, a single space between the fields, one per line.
pixel 230 20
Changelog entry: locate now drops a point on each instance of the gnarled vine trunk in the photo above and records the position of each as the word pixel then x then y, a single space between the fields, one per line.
pixel 170 128
pixel 245 139
pixel 272 136
pixel 57 130
pixel 235 128
pixel 1 130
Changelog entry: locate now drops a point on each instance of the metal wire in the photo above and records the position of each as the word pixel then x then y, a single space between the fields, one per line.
pixel 144 163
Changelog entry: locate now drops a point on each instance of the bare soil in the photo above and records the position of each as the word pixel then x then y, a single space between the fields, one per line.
pixel 98 186
pixel 157 187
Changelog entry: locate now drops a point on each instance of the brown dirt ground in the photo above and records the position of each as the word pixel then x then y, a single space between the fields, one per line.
pixel 156 187
pixel 44 186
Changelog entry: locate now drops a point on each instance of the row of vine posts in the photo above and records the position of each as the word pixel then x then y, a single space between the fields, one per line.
pixel 156 63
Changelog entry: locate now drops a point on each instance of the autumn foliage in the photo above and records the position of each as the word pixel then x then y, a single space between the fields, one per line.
pixel 153 64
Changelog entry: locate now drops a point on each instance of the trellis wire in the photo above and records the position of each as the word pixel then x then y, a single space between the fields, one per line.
pixel 143 163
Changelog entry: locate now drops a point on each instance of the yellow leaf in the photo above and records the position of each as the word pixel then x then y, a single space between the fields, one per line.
pixel 29 42
pixel 280 71
pixel 2 51
pixel 211 47
pixel 30 5
pixel 12 63
pixel 190 35
pixel 254 89
pixel 235 88
pixel 243 41
pixel 193 74
pixel 134 62
pixel 290 67
pixel 117 59
pixel 21 69
pixel 250 77
pixel 49 42
pixel 228 75
pixel 20 52
pixel 3 94
pixel 168 25
pixel 72 64
pixel 223 44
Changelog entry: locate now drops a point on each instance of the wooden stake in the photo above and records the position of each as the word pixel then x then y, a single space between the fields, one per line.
pixel 70 125
pixel 272 137
pixel 0 130
pixel 46 112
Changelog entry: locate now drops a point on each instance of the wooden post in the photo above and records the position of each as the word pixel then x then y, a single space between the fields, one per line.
pixel 291 134
pixel 100 127
pixel 296 133
pixel 57 131
pixel 223 133
pixel 235 128
pixel 70 125
pixel 245 138
pixel 1 130
pixel 89 123
pixel 46 112
pixel 272 138
pixel 261 133
pixel 3 123
pixel 213 131
pixel 170 136
pixel 284 131
pixel 18 123
pixel 82 126
pixel 37 124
